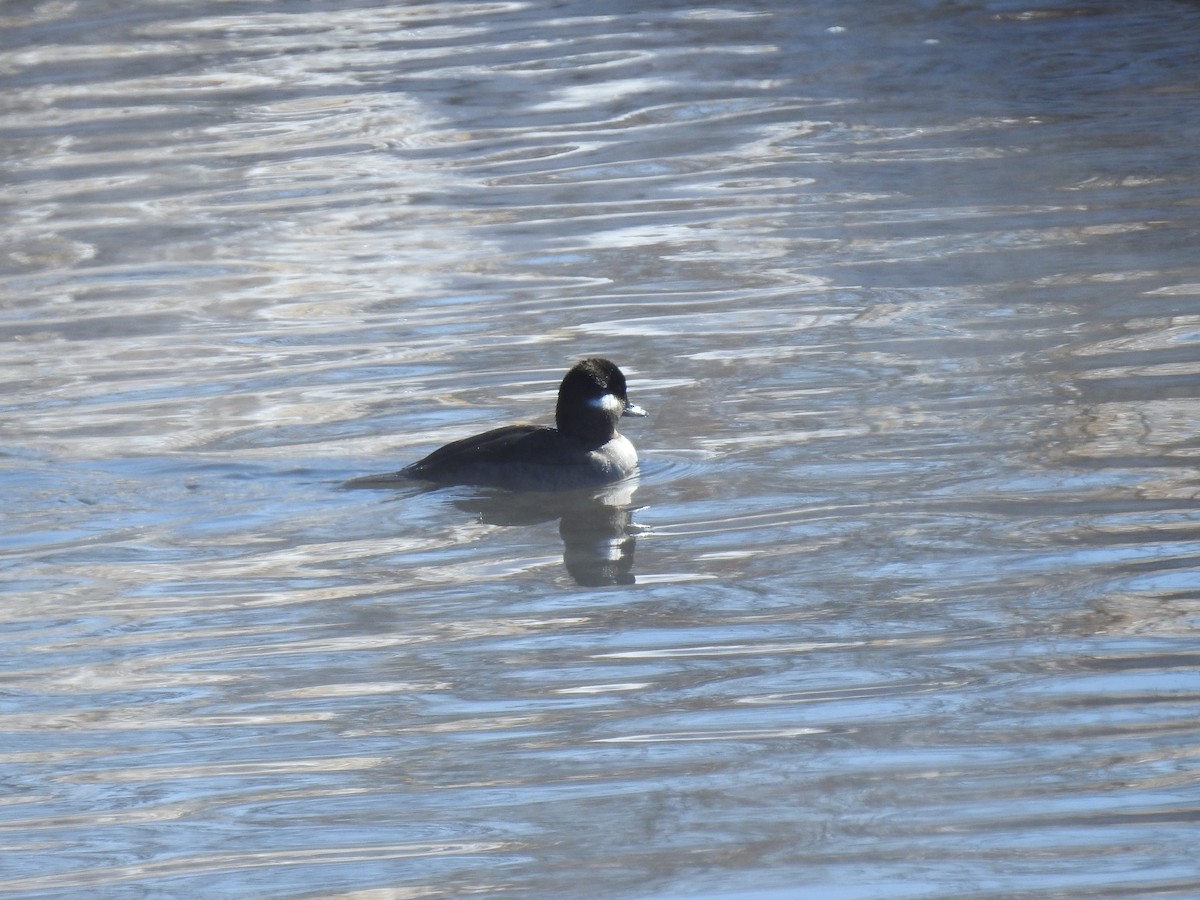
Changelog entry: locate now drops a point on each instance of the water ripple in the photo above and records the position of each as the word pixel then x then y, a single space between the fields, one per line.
pixel 907 591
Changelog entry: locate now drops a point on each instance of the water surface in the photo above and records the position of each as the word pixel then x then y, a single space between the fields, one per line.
pixel 904 602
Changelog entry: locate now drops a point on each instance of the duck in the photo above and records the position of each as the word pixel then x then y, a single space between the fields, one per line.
pixel 583 449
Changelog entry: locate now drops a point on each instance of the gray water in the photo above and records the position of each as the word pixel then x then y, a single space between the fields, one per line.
pixel 906 601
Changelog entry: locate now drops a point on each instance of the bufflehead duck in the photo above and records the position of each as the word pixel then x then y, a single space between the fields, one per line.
pixel 585 449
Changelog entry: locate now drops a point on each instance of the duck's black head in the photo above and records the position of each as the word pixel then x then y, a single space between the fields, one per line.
pixel 591 398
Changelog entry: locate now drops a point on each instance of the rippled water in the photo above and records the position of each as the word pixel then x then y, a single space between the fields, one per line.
pixel 906 601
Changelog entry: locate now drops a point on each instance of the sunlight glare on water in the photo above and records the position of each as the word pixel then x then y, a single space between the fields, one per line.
pixel 904 600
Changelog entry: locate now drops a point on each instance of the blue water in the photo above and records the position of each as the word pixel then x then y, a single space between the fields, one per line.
pixel 905 600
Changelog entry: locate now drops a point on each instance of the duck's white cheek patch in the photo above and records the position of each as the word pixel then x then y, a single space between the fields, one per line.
pixel 608 403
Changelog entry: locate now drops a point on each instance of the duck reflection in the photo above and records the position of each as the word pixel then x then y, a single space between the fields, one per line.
pixel 596 525
pixel 597 528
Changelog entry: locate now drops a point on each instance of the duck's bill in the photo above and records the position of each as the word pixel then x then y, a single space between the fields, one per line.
pixel 633 410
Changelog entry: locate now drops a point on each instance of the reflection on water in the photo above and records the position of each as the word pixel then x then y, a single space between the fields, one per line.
pixel 597 529
pixel 913 296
